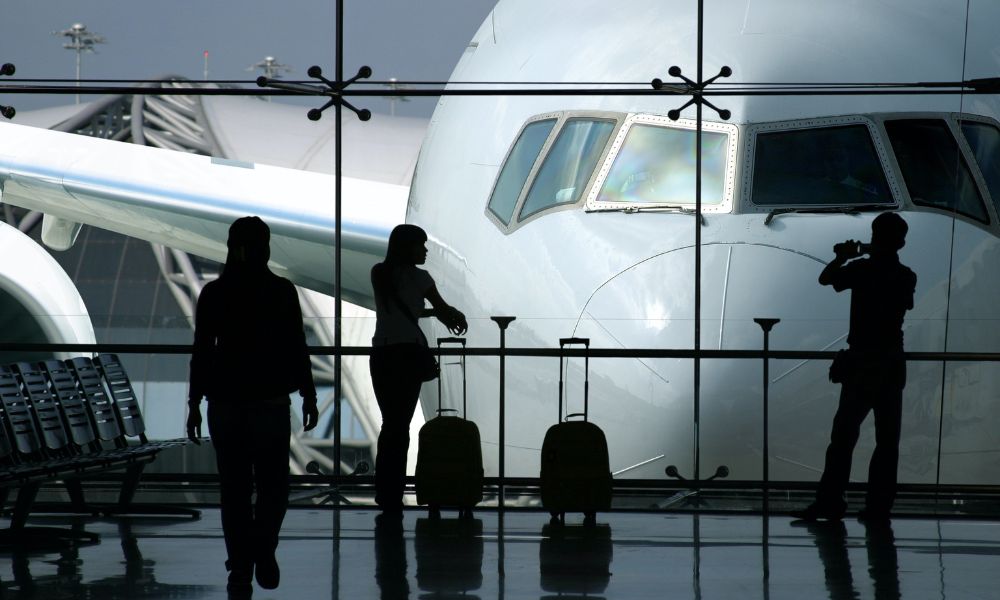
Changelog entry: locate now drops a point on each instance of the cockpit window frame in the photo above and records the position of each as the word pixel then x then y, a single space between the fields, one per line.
pixel 732 149
pixel 562 117
pixel 992 204
pixel 506 227
pixel 876 135
pixel 952 121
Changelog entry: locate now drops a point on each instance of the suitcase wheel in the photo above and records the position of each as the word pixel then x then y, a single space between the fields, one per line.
pixel 590 519
pixel 465 514
pixel 434 512
pixel 558 518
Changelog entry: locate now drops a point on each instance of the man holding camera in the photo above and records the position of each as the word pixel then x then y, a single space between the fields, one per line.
pixel 872 372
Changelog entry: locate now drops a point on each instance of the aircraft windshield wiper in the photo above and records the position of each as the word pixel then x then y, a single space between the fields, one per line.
pixel 687 210
pixel 847 210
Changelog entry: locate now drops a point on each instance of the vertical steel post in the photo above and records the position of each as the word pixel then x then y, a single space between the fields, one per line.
pixel 337 314
pixel 502 323
pixel 766 325
pixel 697 252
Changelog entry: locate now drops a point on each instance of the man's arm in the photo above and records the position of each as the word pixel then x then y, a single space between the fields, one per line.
pixel 844 252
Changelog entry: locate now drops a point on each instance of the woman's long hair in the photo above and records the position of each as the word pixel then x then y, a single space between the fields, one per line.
pixel 397 253
pixel 249 247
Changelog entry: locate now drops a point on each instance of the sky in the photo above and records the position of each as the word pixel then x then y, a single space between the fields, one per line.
pixel 405 39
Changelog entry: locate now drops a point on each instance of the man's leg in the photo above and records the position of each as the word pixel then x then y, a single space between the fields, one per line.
pixel 882 471
pixel 843 437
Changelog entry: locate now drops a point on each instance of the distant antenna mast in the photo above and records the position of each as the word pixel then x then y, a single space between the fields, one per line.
pixel 81 41
pixel 271 69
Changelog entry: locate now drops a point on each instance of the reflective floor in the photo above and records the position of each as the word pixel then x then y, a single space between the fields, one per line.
pixel 352 554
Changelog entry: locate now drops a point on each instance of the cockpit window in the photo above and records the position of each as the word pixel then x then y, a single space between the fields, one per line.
pixel 818 166
pixel 568 165
pixel 933 168
pixel 984 139
pixel 656 165
pixel 517 168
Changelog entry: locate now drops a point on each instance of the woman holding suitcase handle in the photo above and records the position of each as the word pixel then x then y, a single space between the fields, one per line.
pixel 399 351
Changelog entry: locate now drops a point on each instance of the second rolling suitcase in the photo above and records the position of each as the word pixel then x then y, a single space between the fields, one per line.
pixel 449 457
pixel 575 475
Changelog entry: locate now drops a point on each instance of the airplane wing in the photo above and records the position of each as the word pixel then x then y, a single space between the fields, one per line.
pixel 187 201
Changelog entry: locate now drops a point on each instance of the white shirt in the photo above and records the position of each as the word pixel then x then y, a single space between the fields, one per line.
pixel 392 326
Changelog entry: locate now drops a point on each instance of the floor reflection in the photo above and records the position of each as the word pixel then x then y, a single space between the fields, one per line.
pixel 449 557
pixel 883 569
pixel 137 581
pixel 390 557
pixel 575 560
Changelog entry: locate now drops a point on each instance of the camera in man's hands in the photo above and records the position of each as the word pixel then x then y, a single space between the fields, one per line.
pixel 851 249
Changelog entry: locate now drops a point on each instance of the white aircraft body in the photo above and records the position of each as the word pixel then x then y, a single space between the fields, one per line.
pixel 574 213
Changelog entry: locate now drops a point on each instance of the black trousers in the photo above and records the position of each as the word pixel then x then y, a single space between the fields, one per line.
pixel 877 387
pixel 251 443
pixel 397 389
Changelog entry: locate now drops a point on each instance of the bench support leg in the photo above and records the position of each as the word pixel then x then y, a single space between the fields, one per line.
pixel 19 535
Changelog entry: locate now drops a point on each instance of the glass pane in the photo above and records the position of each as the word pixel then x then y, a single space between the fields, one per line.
pixel 515 171
pixel 568 165
pixel 933 168
pixel 830 165
pixel 657 165
pixel 985 142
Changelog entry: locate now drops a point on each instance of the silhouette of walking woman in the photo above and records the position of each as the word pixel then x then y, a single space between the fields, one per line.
pixel 249 354
pixel 872 372
pixel 399 352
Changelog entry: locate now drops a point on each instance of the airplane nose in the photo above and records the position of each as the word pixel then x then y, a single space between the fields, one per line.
pixel 651 305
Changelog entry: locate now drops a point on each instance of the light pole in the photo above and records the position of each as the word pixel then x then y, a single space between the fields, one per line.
pixel 395 85
pixel 271 69
pixel 80 40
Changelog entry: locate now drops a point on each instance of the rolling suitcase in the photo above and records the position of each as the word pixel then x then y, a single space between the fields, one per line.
pixel 449 456
pixel 576 476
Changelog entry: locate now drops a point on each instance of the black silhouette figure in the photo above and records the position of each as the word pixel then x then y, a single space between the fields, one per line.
pixel 872 371
pixel 249 354
pixel 399 351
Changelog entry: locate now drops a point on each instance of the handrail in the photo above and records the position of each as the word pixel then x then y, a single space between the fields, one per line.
pixel 536 352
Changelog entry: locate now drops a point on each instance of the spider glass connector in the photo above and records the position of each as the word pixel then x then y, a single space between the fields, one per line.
pixel 7 111
pixel 332 89
pixel 693 88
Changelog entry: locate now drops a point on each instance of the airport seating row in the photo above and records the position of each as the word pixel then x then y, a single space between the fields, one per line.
pixel 65 420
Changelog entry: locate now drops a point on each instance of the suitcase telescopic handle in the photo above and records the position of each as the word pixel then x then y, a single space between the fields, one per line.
pixel 576 341
pixel 453 340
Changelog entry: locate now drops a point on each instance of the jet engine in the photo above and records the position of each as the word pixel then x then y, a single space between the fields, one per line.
pixel 38 301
